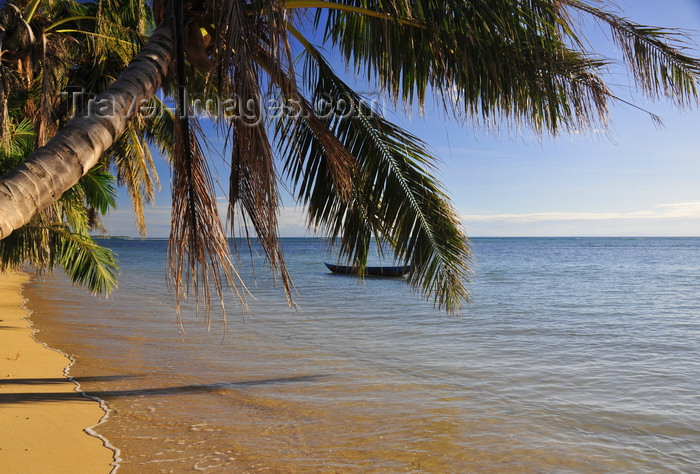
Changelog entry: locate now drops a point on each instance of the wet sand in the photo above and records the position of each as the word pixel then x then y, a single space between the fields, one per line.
pixel 43 420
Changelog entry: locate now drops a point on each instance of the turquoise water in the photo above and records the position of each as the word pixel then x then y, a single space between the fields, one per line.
pixel 576 355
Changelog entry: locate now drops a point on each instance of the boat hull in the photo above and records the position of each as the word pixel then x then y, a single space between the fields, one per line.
pixel 374 271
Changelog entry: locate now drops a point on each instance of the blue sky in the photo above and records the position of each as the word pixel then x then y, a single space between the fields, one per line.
pixel 634 180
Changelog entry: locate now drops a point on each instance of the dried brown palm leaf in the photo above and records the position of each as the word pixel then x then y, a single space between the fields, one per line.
pixel 253 181
pixel 253 193
pixel 240 28
pixel 198 251
pixel 44 114
pixel 341 163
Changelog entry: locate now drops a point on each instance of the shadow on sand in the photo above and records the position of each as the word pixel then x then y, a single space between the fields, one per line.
pixel 24 397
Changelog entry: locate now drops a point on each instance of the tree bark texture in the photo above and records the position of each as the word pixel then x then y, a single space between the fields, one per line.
pixel 52 169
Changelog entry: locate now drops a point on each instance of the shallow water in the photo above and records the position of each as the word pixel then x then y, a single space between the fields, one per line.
pixel 576 355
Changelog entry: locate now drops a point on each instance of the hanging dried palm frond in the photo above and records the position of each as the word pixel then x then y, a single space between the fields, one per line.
pixel 253 192
pixel 341 163
pixel 198 251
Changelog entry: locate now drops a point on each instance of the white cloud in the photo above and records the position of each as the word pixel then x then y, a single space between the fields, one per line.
pixel 671 219
pixel 679 219
pixel 682 210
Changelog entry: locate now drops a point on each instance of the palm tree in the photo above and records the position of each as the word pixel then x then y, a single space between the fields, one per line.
pixel 360 177
pixel 59 235
pixel 44 49
pixel 57 53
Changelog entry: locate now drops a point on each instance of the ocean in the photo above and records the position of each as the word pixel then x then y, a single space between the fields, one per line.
pixel 576 355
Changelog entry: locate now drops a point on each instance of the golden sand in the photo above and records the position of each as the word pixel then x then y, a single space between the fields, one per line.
pixel 42 418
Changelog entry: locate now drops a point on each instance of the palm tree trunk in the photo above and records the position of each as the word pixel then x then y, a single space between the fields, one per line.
pixel 52 169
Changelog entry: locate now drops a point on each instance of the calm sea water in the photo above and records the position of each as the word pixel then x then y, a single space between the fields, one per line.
pixel 577 355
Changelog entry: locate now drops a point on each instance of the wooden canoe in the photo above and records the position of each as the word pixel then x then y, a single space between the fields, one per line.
pixel 374 271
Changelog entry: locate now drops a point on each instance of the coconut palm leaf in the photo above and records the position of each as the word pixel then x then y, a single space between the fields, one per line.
pixel 198 251
pixel 84 261
pixel 120 29
pixel 131 157
pixel 16 143
pixel 98 191
pixel 395 198
pixel 483 65
pixel 46 246
pixel 253 193
pixel 656 57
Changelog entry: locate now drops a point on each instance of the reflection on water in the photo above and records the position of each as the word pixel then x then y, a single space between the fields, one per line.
pixel 577 355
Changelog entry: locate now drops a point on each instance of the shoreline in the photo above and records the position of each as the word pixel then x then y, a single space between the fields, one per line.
pixel 46 423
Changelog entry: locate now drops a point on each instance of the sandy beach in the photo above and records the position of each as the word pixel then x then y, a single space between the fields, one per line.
pixel 42 418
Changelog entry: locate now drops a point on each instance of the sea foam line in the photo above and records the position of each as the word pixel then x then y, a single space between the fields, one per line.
pixel 116 456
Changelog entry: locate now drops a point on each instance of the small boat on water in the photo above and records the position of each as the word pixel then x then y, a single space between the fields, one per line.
pixel 374 271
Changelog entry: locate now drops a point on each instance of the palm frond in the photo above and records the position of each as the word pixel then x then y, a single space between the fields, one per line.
pixel 132 160
pixel 656 57
pixel 484 65
pixel 529 66
pixel 86 263
pixel 253 193
pixel 395 199
pixel 158 127
pixel 46 246
pixel 70 209
pixel 131 157
pixel 198 252
pixel 121 27
pixel 97 188
pixel 340 162
pixel 16 143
